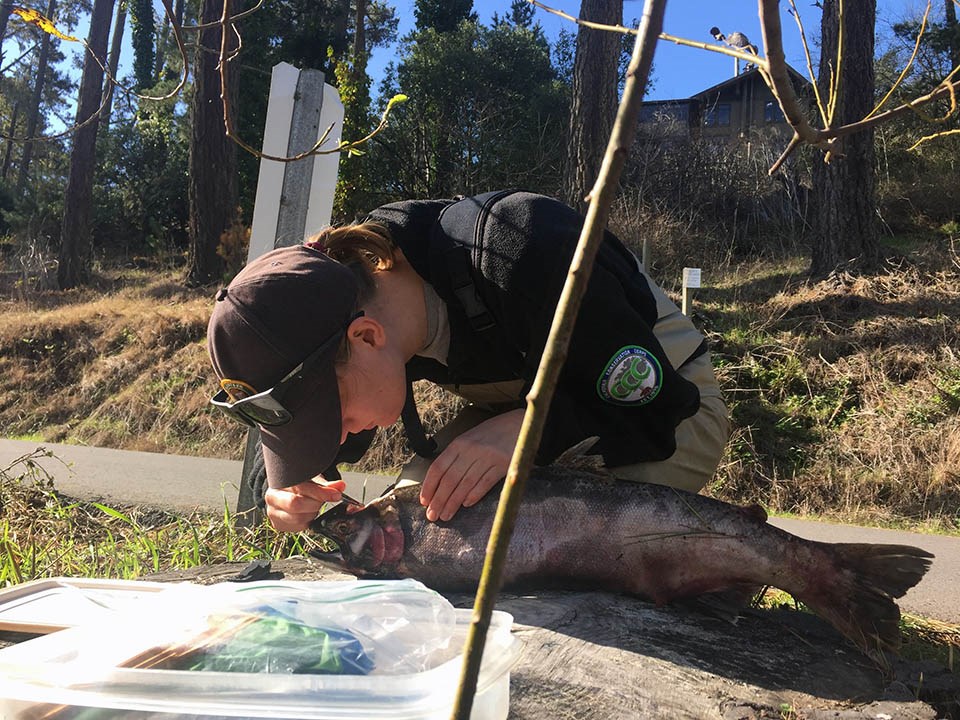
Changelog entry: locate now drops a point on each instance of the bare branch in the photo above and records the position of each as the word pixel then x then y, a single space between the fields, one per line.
pixel 806 52
pixel 120 86
pixel 26 52
pixel 773 69
pixel 722 49
pixel 233 19
pixel 623 30
pixel 906 68
pixel 538 400
pixel 76 126
pixel 781 85
pixel 935 136
pixel 835 72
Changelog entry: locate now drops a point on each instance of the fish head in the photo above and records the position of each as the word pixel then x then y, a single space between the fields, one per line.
pixel 370 538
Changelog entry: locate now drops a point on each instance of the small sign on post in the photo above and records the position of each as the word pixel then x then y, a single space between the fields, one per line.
pixel 691 280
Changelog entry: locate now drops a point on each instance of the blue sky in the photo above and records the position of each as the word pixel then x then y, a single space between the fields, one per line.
pixel 680 71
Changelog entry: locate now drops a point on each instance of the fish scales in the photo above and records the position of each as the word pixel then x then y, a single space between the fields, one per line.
pixel 574 530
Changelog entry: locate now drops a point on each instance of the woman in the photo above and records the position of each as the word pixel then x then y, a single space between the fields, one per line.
pixel 318 345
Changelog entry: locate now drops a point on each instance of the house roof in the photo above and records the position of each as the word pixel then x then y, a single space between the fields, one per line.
pixel 745 75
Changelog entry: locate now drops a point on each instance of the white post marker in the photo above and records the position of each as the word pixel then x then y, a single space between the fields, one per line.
pixel 295 199
pixel 691 279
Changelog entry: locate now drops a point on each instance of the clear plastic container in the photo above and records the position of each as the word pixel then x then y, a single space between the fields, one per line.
pixel 88 671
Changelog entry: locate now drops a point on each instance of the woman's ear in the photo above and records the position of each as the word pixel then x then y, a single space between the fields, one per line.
pixel 366 331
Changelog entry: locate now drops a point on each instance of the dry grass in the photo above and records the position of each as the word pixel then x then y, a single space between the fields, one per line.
pixel 845 394
pixel 122 364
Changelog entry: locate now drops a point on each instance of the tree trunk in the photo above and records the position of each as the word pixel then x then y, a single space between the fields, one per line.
pixel 593 105
pixel 33 117
pixel 6 7
pixel 359 38
pixel 74 268
pixel 11 133
pixel 845 230
pixel 213 187
pixel 115 48
pixel 953 30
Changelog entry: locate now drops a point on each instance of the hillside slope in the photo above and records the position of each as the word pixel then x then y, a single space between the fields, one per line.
pixel 845 394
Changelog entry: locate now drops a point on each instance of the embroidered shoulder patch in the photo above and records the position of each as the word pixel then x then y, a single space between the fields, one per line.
pixel 633 376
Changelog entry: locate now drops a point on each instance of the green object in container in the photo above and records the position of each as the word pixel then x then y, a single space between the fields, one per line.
pixel 277 644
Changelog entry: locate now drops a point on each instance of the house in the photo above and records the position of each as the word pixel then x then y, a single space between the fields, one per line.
pixel 735 109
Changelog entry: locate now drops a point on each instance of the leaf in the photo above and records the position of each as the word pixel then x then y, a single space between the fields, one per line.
pixel 396 100
pixel 34 18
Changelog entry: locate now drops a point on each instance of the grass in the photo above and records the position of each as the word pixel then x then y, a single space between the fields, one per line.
pixel 921 638
pixel 44 534
pixel 844 395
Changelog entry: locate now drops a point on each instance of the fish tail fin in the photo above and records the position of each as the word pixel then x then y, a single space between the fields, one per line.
pixel 860 604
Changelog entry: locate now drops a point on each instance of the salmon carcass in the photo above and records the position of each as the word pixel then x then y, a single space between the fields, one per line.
pixel 576 531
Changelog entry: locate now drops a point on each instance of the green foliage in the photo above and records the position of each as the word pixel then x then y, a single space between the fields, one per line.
pixel 918 186
pixel 7 204
pixel 353 185
pixel 928 410
pixel 938 51
pixel 141 188
pixel 44 535
pixel 310 34
pixel 36 196
pixel 443 15
pixel 143 29
pixel 951 228
pixel 521 13
pixel 483 101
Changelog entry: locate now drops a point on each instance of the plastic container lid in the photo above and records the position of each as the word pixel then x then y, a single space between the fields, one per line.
pixel 79 670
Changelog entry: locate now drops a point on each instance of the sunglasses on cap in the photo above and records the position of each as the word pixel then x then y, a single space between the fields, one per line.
pixel 267 408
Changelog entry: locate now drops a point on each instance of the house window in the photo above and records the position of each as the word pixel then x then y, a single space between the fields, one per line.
pixel 664 113
pixel 717 116
pixel 772 113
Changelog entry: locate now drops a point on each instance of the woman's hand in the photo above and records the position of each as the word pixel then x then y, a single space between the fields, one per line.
pixel 470 465
pixel 291 509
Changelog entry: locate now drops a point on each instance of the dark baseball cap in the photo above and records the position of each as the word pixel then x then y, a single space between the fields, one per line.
pixel 276 313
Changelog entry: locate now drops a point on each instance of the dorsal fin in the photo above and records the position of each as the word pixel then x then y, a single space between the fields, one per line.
pixel 576 458
pixel 754 512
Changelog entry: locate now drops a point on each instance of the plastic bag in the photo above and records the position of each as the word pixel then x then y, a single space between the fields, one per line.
pixel 345 627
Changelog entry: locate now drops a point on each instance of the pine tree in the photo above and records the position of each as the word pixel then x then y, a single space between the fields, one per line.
pixel 75 240
pixel 845 229
pixel 443 15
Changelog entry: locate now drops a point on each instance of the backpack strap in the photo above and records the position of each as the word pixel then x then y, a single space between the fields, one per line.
pixel 459 229
pixel 463 223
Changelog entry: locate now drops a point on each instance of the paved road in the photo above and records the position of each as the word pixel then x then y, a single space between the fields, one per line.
pixel 186 483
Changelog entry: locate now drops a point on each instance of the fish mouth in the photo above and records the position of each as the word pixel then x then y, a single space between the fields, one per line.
pixel 375 545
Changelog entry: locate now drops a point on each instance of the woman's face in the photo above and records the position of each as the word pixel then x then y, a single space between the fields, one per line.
pixel 372 385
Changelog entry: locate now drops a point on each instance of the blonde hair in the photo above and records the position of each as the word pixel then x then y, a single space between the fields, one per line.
pixel 365 248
